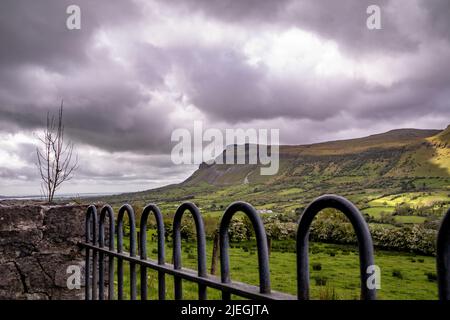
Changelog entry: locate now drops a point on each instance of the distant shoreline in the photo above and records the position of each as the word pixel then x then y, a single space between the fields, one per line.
pixel 59 197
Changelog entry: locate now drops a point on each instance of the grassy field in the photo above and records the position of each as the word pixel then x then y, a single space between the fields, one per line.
pixel 377 211
pixel 398 180
pixel 411 198
pixel 403 275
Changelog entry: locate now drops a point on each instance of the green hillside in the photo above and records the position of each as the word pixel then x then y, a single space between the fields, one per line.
pixel 397 153
pixel 400 180
pixel 395 162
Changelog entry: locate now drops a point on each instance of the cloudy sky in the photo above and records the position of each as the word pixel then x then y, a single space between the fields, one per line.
pixel 137 70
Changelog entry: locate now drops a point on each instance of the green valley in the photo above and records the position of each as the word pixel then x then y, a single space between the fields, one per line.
pixel 400 181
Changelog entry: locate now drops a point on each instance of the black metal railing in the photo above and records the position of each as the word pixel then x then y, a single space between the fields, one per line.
pixel 96 253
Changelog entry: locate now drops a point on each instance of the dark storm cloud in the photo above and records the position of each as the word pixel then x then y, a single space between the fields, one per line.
pixel 343 21
pixel 406 100
pixel 116 105
pixel 129 168
pixel 112 114
pixel 34 32
pixel 138 69
pixel 224 86
pixel 41 63
pixel 24 174
pixel 438 12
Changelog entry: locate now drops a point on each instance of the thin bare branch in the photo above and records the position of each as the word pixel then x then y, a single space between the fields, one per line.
pixel 55 160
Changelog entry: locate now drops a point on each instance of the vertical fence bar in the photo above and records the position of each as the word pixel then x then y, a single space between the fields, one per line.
pixel 261 243
pixel 201 248
pixel 362 233
pixel 106 211
pixel 101 256
pixel 443 258
pixel 90 237
pixel 152 208
pixel 131 220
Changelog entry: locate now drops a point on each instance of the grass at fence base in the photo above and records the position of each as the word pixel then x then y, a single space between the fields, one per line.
pixel 403 275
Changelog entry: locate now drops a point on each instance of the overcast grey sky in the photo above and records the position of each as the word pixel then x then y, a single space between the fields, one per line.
pixel 139 69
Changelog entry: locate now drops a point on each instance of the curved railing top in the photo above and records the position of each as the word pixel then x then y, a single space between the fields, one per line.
pixel 106 211
pixel 261 242
pixel 200 233
pixel 91 224
pixel 126 208
pixel 361 228
pixel 152 208
pixel 201 247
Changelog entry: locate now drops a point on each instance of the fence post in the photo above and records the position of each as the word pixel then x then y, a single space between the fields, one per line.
pixel 215 253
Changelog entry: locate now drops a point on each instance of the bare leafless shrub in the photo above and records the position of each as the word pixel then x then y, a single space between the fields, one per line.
pixel 55 157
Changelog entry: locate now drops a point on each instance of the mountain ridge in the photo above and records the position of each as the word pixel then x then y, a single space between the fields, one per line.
pixel 395 153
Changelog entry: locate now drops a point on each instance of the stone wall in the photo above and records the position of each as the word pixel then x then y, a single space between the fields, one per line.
pixel 37 244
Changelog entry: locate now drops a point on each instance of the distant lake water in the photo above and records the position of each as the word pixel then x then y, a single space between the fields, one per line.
pixel 59 196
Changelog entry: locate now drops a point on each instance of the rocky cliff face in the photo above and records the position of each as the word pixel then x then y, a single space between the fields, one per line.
pixel 37 244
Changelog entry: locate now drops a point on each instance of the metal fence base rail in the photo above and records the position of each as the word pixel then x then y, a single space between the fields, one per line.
pixel 97 253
